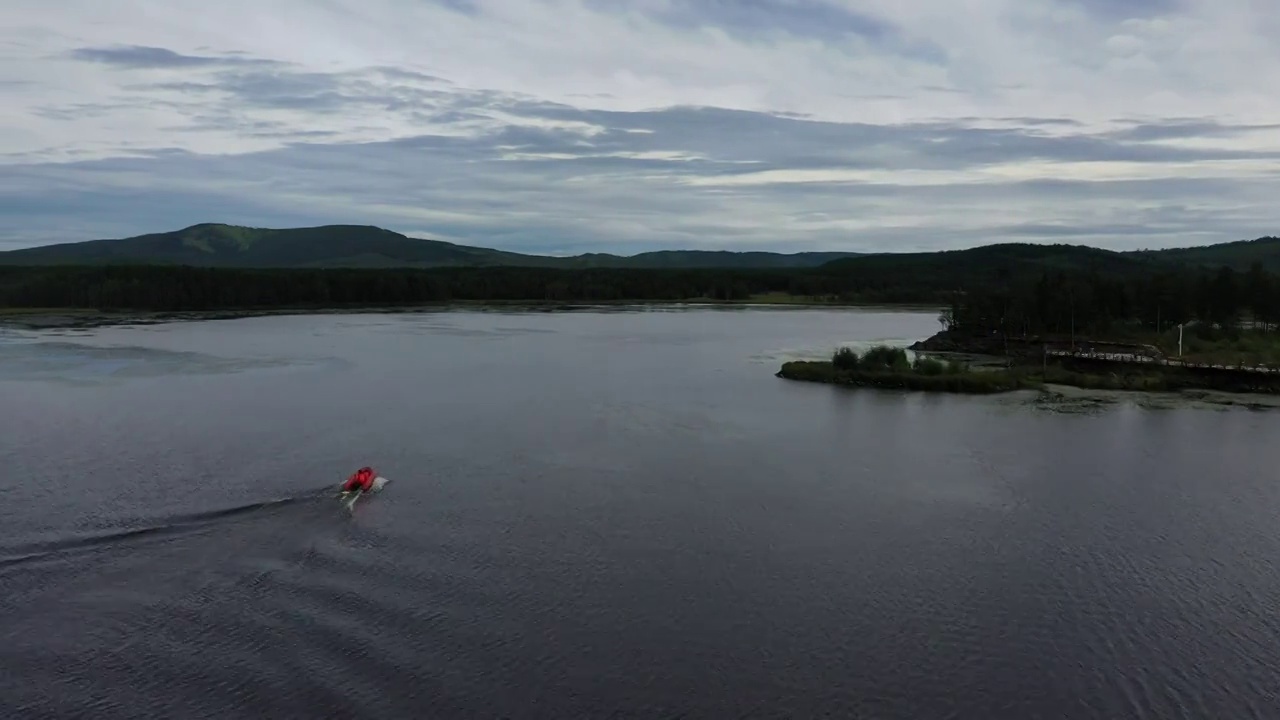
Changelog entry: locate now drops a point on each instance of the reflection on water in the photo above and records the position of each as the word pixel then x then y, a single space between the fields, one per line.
pixel 27 359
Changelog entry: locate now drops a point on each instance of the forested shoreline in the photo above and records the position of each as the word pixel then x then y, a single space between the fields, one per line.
pixel 1129 330
pixel 181 288
pixel 1061 303
pixel 1006 288
pixel 980 300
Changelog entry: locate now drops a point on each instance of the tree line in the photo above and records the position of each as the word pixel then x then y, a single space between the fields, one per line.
pixel 980 297
pixel 155 287
pixel 1062 302
pixel 175 288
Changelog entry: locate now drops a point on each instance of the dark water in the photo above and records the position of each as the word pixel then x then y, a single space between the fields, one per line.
pixel 613 514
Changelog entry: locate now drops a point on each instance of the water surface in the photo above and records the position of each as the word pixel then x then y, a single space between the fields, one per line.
pixel 609 514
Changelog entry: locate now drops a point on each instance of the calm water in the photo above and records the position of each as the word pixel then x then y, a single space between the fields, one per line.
pixel 609 514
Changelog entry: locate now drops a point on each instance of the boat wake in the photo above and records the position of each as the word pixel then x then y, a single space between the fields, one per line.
pixel 155 531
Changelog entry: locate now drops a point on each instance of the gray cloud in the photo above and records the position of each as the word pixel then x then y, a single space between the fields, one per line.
pixel 466 7
pixel 762 19
pixel 543 188
pixel 575 125
pixel 755 20
pixel 1125 9
pixel 283 89
pixel 1176 129
pixel 77 110
pixel 144 57
pixel 786 142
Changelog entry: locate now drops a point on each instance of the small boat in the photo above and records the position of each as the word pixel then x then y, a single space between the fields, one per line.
pixel 349 497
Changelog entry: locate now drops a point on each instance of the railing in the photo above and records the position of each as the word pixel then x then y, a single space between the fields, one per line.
pixel 1148 360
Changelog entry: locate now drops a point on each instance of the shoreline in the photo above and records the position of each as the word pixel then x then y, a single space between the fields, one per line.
pixel 1053 387
pixel 1071 399
pixel 88 318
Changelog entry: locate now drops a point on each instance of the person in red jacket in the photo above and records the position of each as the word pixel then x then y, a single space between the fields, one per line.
pixel 361 479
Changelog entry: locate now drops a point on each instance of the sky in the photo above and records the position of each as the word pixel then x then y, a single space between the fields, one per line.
pixel 568 126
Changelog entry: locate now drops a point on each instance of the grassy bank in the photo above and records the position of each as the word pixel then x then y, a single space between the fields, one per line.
pixel 972 382
pixel 886 367
pixel 1212 345
pixel 1157 379
pixel 889 368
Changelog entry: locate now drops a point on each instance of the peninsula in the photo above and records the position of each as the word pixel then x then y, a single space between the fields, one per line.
pixel 1153 327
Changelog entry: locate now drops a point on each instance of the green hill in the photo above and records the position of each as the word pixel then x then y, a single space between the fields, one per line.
pixel 364 246
pixel 1239 255
pixel 913 277
pixel 360 246
pixel 266 269
pixel 215 245
pixel 992 261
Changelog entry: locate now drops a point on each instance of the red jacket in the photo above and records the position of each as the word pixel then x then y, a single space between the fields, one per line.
pixel 361 479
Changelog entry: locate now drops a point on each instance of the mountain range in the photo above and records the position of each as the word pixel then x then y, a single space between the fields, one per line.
pixel 363 246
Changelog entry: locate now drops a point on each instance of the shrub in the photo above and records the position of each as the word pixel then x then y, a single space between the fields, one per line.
pixel 883 357
pixel 845 359
pixel 978 382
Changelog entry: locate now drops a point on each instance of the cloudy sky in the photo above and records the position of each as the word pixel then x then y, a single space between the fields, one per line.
pixel 564 126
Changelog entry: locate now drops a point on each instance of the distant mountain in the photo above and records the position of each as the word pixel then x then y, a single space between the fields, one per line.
pixel 361 246
pixel 990 262
pixel 984 265
pixel 215 245
pixel 1239 255
pixel 365 246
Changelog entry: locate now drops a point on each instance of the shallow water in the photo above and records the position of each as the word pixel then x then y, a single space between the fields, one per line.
pixel 609 514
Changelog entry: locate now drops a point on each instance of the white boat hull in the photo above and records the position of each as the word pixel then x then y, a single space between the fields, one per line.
pixel 349 498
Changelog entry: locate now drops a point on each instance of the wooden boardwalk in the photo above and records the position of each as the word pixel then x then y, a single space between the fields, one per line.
pixel 1134 359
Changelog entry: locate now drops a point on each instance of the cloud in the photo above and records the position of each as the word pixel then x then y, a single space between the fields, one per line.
pixel 823 20
pixel 138 56
pixel 1118 10
pixel 583 125
pixel 763 18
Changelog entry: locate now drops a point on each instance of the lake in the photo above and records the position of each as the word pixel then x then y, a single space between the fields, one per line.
pixel 610 513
